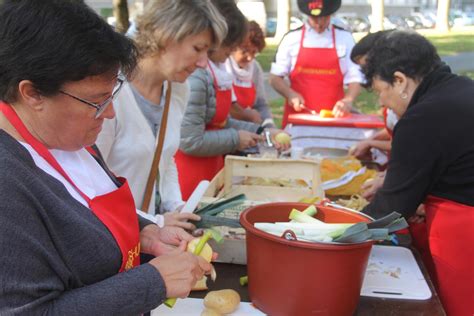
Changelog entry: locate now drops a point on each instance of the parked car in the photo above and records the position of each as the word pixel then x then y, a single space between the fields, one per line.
pixel 270 27
pixel 398 21
pixel 387 24
pixel 414 22
pixel 463 19
pixel 356 23
pixel 341 22
pixel 425 20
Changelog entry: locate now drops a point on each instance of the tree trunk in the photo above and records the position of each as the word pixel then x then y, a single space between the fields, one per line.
pixel 378 8
pixel 121 15
pixel 283 18
pixel 442 18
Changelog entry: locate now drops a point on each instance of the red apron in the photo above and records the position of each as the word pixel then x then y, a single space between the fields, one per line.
pixel 116 210
pixel 193 169
pixel 385 120
pixel 245 95
pixel 451 243
pixel 317 77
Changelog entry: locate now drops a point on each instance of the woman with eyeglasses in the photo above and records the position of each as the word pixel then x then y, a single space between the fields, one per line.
pixel 173 37
pixel 70 237
pixel 248 84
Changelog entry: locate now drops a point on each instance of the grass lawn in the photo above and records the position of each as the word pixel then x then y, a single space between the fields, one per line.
pixel 447 44
pixel 366 103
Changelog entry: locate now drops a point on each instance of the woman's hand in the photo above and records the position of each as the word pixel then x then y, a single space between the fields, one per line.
pixel 296 100
pixel 420 215
pixel 361 150
pixel 370 187
pixel 279 146
pixel 180 270
pixel 172 235
pixel 342 108
pixel 158 241
pixel 247 139
pixel 180 219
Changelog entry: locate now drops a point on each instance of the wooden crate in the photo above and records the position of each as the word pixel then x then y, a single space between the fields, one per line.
pixel 236 168
pixel 226 182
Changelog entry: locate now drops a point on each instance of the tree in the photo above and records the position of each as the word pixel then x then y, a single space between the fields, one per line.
pixel 378 14
pixel 283 18
pixel 442 18
pixel 121 15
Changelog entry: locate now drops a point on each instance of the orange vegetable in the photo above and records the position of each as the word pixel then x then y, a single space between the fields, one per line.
pixel 326 113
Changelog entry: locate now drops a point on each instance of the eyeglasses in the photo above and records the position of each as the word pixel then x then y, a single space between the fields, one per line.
pixel 249 51
pixel 100 107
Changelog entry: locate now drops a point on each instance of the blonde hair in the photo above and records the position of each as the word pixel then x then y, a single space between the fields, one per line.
pixel 174 20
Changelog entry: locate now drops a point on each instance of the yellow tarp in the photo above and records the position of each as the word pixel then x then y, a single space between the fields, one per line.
pixel 334 168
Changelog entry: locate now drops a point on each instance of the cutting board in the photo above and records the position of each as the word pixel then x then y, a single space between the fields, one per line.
pixel 353 120
pixel 195 306
pixel 392 272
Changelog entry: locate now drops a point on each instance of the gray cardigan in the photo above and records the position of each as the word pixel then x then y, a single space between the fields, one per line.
pixel 195 140
pixel 57 258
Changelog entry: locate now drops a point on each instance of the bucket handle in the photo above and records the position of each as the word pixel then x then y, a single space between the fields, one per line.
pixel 327 202
pixel 289 235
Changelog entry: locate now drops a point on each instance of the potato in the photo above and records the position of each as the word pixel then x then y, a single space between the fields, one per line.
pixel 283 138
pixel 210 312
pixel 206 252
pixel 201 285
pixel 223 301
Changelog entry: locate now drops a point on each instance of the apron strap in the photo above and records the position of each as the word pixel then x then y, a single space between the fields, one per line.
pixel 216 84
pixel 303 31
pixel 156 158
pixel 39 147
pixel 95 152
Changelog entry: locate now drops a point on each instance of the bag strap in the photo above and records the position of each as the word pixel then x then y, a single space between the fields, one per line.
pixel 156 158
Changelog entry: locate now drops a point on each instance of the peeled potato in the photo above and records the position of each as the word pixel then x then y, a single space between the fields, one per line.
pixel 223 301
pixel 201 285
pixel 206 252
pixel 283 138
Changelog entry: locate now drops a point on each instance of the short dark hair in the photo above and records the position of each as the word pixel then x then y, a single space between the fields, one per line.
pixel 404 51
pixel 51 42
pixel 236 22
pixel 363 46
pixel 255 36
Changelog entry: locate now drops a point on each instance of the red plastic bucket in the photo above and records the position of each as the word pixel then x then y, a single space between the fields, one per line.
pixel 301 278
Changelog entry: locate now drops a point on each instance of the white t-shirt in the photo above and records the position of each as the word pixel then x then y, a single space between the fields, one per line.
pixel 224 79
pixel 392 119
pixel 81 168
pixel 287 53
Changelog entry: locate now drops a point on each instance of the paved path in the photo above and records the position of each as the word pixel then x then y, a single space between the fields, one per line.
pixel 458 63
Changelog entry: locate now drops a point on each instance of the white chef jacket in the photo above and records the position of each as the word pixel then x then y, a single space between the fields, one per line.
pixel 289 47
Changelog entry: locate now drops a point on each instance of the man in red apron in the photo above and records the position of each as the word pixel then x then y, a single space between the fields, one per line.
pixel 316 58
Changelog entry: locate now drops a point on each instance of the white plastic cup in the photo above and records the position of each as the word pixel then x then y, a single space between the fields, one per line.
pixel 297 152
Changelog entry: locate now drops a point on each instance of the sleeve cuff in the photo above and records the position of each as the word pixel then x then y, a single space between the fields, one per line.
pixel 279 70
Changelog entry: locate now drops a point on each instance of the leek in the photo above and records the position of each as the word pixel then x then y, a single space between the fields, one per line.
pixel 244 280
pixel 301 217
